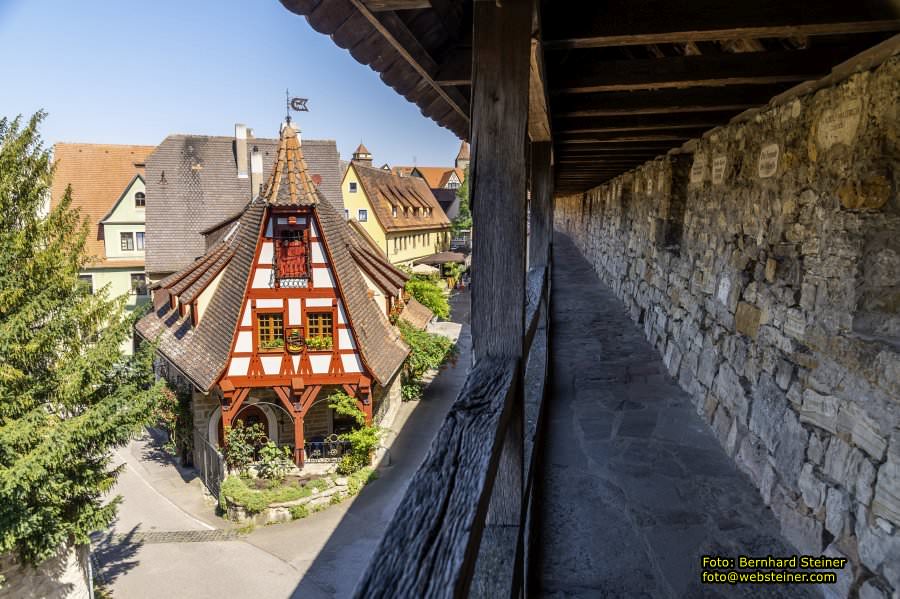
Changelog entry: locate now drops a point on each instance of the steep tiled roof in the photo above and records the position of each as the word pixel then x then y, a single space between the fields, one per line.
pixel 416 314
pixel 436 176
pixel 98 174
pixel 386 190
pixel 290 183
pixel 372 261
pixel 463 151
pixel 192 184
pixel 201 352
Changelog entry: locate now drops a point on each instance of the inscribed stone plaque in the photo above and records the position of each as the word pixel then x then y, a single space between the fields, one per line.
pixel 698 169
pixel 839 125
pixel 718 169
pixel 768 161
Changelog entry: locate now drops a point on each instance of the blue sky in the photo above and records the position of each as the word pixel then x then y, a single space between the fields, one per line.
pixel 122 71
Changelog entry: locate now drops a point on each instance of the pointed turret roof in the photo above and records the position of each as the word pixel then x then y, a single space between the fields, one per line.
pixel 361 149
pixel 290 183
pixel 463 151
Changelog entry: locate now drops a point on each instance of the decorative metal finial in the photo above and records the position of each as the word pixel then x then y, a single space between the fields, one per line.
pixel 296 104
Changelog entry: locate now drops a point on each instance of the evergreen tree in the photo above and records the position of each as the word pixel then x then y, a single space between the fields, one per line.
pixel 463 220
pixel 68 395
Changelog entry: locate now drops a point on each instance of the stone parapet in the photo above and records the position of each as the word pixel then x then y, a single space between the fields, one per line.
pixel 765 268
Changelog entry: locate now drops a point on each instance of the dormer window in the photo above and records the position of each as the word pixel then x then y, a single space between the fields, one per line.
pixel 394 211
pixel 140 200
pixel 291 251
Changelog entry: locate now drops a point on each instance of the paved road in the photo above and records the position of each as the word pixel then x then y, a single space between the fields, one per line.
pixel 167 541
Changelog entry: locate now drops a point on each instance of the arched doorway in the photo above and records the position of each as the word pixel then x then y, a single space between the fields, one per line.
pixel 249 415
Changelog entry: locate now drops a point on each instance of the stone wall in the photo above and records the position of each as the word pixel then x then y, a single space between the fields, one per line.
pixel 765 268
pixel 65 576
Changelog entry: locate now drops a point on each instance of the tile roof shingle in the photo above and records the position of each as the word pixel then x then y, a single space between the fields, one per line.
pixel 192 184
pixel 99 175
pixel 386 190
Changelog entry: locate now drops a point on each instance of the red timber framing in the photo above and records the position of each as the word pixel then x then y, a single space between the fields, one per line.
pixel 296 383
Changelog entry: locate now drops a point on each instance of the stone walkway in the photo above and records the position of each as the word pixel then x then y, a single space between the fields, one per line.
pixel 636 487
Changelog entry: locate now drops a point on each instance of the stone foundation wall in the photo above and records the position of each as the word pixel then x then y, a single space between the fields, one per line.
pixel 386 400
pixel 765 268
pixel 65 576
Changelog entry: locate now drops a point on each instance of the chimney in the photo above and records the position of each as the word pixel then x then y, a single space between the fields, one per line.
pixel 256 172
pixel 240 150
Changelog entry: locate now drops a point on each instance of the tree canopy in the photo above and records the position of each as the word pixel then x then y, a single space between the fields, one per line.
pixel 68 395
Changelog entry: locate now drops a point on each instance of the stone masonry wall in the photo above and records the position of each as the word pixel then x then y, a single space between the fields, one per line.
pixel 765 268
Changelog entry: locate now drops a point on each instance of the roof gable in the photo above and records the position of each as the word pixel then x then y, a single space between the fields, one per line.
pixel 121 212
pixel 410 195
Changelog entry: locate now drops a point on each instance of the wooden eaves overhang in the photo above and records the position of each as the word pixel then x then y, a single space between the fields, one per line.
pixel 626 81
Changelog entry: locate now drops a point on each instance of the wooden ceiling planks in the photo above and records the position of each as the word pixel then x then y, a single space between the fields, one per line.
pixel 626 81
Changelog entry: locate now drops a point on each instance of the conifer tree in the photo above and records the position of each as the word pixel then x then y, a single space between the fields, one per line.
pixel 68 395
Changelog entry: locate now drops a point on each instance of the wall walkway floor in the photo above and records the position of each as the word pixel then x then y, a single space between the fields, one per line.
pixel 636 488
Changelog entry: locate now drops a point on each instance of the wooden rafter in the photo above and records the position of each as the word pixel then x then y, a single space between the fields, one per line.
pixel 625 22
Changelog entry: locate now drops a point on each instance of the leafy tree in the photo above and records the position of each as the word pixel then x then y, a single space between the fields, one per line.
pixel 463 220
pixel 429 295
pixel 68 395
pixel 426 351
pixel 363 439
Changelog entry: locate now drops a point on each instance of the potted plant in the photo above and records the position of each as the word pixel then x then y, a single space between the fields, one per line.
pixel 272 345
pixel 319 343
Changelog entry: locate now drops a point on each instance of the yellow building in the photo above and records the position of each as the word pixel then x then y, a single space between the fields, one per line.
pixel 400 214
pixel 108 188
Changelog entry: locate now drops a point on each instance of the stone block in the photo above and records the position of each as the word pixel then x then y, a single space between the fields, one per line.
pixel 878 551
pixel 746 319
pixel 862 429
pixel 731 392
pixel 815 450
pixel 886 502
pixel 803 532
pixel 819 410
pixel 811 488
pixel 865 482
pixel 842 463
pixel 837 512
pixel 872 590
pixel 771 268
pixel 840 589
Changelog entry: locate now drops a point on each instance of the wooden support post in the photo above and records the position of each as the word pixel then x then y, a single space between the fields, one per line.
pixel 541 201
pixel 502 46
pixel 298 439
pixel 500 106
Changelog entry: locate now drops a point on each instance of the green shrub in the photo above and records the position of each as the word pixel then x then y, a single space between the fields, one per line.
pixel 241 445
pixel 426 351
pixel 363 440
pixel 336 499
pixel 298 512
pixel 318 484
pixel 359 479
pixel 235 490
pixel 429 295
pixel 274 462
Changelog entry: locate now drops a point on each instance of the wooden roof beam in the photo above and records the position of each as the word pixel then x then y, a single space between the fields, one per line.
pixel 625 22
pixel 664 102
pixel 386 5
pixel 395 33
pixel 698 71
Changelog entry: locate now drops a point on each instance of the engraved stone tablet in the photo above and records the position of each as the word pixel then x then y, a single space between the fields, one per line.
pixel 839 125
pixel 718 168
pixel 698 169
pixel 768 161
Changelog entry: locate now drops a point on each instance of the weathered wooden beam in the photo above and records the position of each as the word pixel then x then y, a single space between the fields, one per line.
pixel 395 33
pixel 652 122
pixel 455 68
pixel 386 5
pixel 665 101
pixel 624 22
pixel 614 139
pixel 429 548
pixel 538 100
pixel 541 204
pixel 696 71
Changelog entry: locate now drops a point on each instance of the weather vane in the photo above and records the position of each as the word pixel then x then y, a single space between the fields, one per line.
pixel 297 104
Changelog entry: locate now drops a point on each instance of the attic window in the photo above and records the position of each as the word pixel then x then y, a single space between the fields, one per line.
pixel 352 186
pixel 394 211
pixel 140 199
pixel 291 251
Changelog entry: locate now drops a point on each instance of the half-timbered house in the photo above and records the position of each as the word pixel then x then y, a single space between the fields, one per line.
pixel 287 305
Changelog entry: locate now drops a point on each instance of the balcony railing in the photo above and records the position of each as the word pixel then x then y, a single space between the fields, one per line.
pixel 328 449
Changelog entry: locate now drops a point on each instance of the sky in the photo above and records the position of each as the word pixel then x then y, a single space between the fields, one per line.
pixel 128 72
